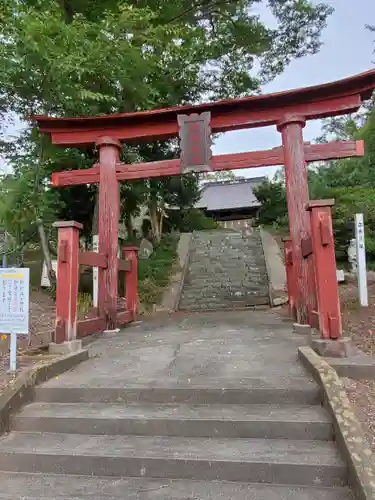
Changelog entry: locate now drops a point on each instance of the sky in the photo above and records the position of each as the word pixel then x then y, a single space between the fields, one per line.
pixel 346 50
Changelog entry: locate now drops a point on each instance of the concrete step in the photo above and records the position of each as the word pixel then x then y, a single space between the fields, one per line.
pixel 224 262
pixel 302 463
pixel 294 390
pixel 240 252
pixel 62 487
pixel 229 421
pixel 216 254
pixel 208 281
pixel 209 289
pixel 224 295
pixel 224 271
pixel 225 242
pixel 230 292
pixel 220 249
pixel 237 274
pixel 225 268
pixel 225 278
pixel 226 302
pixel 215 304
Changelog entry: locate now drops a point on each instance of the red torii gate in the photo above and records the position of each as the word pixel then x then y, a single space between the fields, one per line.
pixel 288 110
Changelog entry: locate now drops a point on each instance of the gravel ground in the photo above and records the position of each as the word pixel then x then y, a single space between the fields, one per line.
pixel 359 324
pixel 42 319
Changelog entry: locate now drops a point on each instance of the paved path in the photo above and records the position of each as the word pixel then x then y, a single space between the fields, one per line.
pixel 218 350
pixel 188 407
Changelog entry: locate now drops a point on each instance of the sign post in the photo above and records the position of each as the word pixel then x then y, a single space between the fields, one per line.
pixel 14 307
pixel 361 260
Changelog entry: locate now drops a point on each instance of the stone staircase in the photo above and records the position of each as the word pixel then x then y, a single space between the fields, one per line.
pixel 159 443
pixel 226 270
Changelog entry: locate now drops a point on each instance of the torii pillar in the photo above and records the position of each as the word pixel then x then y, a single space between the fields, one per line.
pixel 297 193
pixel 109 212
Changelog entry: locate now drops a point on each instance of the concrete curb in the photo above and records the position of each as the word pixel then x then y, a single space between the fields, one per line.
pixel 171 295
pixel 348 432
pixel 268 271
pixel 22 391
pixel 274 267
pixel 184 268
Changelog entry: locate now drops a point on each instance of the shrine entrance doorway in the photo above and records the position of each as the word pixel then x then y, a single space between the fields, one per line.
pixel 312 285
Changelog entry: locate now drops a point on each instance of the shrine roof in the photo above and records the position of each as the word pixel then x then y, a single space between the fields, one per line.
pixel 230 195
pixel 317 101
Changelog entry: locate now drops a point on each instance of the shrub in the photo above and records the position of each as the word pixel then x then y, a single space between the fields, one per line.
pixel 196 220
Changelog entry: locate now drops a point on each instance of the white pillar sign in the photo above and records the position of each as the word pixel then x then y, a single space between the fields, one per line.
pixel 14 306
pixel 361 260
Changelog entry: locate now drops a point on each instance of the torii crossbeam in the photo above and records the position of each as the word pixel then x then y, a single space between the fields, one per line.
pixel 289 111
pixel 266 158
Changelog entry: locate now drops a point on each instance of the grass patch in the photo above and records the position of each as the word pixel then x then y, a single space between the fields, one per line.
pixel 154 273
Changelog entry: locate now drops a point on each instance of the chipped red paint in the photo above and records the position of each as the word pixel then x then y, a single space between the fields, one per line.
pixel 68 275
pixel 297 192
pixel 328 309
pixel 69 259
pixel 319 101
pixel 131 282
pixel 90 326
pixel 123 265
pixel 83 134
pixel 109 212
pixel 93 259
pixel 272 157
pixel 291 282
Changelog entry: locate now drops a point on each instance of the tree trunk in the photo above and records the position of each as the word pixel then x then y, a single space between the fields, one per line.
pixel 161 220
pixel 154 221
pixel 95 219
pixel 46 254
pixel 68 10
pixel 129 225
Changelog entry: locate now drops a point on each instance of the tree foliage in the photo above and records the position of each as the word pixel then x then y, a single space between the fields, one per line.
pixel 271 195
pixel 350 182
pixel 89 57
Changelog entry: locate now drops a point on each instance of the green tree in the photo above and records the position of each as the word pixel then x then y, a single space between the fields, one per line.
pixel 271 195
pixel 88 57
pixel 224 175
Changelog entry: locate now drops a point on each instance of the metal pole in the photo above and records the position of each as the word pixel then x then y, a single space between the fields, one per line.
pixel 13 352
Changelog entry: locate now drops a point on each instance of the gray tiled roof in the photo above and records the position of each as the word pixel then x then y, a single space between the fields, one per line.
pixel 229 195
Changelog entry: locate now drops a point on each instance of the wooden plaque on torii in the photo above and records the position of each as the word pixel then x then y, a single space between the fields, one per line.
pixel 195 142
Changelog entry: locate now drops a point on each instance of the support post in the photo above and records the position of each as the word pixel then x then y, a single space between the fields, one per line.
pixel 291 283
pixel 67 284
pixel 329 312
pixel 361 260
pixel 297 193
pixel 131 282
pixel 109 211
